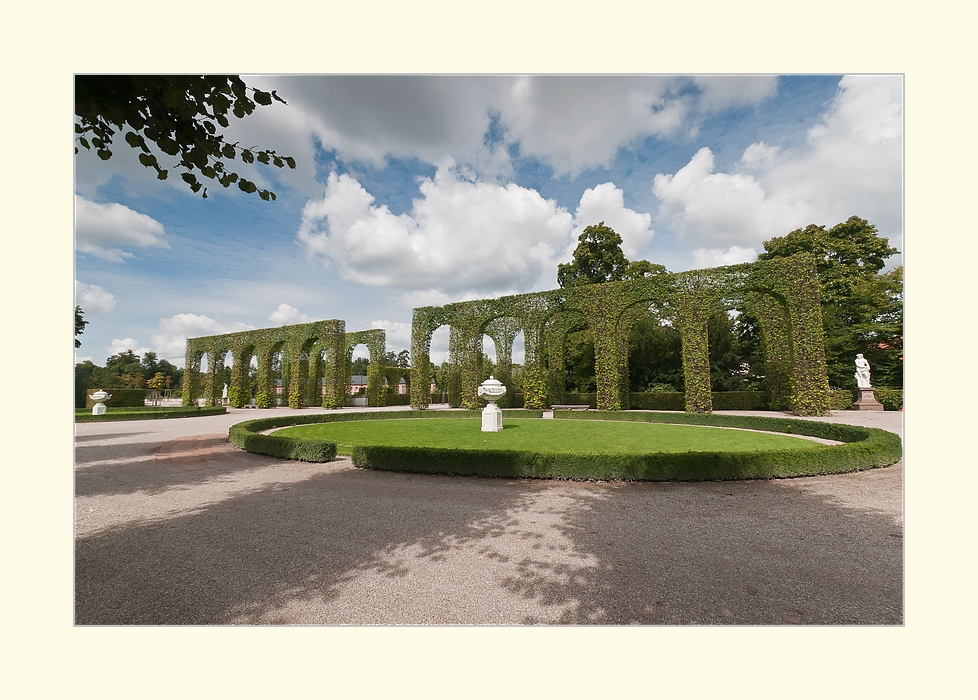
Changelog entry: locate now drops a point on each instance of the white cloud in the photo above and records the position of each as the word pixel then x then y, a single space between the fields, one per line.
pixel 607 203
pixel 99 228
pixel 286 315
pixel 462 239
pixel 720 92
pixel 852 165
pixel 460 236
pixel 716 257
pixel 398 334
pixel 171 341
pixel 120 346
pixel 93 299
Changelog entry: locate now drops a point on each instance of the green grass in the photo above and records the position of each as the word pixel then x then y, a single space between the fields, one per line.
pixel 558 437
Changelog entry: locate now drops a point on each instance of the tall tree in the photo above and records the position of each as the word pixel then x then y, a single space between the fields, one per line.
pixel 862 309
pixel 597 258
pixel 80 324
pixel 180 115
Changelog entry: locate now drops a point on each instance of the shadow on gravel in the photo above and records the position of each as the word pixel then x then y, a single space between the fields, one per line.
pixel 104 436
pixel 247 558
pixel 762 552
pixel 712 553
pixel 154 467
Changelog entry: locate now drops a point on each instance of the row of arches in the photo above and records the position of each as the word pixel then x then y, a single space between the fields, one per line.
pixel 782 294
pixel 300 365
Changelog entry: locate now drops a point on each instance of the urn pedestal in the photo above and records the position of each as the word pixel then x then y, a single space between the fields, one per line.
pixel 492 416
pixel 867 400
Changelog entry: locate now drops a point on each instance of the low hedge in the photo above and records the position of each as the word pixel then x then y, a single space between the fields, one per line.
pixel 149 413
pixel 864 448
pixel 892 399
pixel 120 398
pixel 843 399
pixel 247 435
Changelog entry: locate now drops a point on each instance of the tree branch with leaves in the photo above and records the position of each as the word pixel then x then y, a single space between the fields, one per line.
pixel 181 116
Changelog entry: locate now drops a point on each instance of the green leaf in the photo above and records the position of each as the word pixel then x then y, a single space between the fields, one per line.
pixel 291 161
pixel 78 129
pixel 162 175
pixel 207 171
pixel 134 139
pixel 228 151
pixel 84 142
pixel 148 160
pixel 264 195
pixel 104 153
pixel 211 129
pixel 170 98
pixel 263 157
pixel 247 156
pixel 263 98
pixel 189 178
pixel 222 120
pixel 278 162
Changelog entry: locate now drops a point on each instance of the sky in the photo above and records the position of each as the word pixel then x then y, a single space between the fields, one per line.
pixel 420 190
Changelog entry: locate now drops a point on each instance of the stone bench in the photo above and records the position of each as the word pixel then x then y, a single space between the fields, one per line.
pixel 571 407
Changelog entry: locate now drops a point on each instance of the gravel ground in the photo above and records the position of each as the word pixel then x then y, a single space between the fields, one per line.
pixel 175 526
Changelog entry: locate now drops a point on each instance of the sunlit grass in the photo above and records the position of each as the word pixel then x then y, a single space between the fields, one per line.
pixel 555 436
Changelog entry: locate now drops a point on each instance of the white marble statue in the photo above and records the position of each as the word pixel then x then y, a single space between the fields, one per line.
pixel 224 394
pixel 862 372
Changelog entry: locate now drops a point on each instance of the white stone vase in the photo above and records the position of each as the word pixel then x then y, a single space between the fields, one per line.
pixel 492 416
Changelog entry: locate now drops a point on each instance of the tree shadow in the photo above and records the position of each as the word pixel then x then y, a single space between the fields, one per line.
pixel 155 467
pixel 359 547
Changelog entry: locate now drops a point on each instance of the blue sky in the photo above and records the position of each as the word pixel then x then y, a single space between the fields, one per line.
pixel 428 189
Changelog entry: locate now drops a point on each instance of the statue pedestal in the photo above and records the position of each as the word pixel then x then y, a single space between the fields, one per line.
pixel 867 400
pixel 492 418
pixel 98 409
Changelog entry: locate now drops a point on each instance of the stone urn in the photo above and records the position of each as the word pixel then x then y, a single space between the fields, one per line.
pixel 492 416
pixel 99 397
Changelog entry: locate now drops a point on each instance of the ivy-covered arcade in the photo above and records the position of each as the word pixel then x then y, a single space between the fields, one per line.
pixel 783 294
pixel 312 359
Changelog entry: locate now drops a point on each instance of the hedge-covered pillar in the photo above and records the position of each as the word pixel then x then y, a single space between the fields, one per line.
pixel 264 390
pixel 772 319
pixel 333 341
pixel 299 374
pixel 555 339
pixel 693 309
pixel 425 320
pixel 191 376
pixel 239 393
pixel 470 351
pixel 811 381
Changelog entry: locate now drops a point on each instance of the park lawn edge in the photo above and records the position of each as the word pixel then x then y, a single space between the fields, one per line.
pixel 863 448
pixel 120 414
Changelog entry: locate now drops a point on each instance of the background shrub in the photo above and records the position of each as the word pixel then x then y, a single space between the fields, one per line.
pixel 148 413
pixel 120 398
pixel 892 399
pixel 841 399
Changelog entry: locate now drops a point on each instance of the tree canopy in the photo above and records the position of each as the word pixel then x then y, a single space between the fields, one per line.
pixel 597 258
pixel 862 308
pixel 180 115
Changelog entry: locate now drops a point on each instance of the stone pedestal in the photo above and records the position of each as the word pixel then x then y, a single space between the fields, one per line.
pixel 492 418
pixel 98 409
pixel 867 400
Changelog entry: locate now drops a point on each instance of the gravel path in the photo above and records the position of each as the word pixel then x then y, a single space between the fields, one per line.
pixel 174 525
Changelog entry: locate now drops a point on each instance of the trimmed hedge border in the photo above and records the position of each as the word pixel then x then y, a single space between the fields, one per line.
pixel 865 448
pixel 150 414
pixel 247 435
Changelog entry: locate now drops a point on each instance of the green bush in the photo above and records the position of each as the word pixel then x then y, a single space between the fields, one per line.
pixel 398 399
pixel 841 399
pixel 740 401
pixel 147 413
pixel 82 375
pixel 657 401
pixel 120 398
pixel 581 398
pixel 892 399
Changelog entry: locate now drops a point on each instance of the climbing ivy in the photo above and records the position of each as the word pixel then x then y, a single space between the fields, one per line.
pixel 310 351
pixel 783 294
